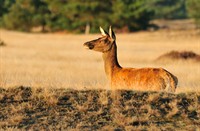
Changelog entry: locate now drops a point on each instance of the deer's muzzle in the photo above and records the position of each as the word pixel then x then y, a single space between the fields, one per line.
pixel 88 45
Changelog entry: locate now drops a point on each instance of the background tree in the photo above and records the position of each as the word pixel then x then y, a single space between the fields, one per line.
pixel 73 16
pixel 40 13
pixel 19 16
pixel 23 15
pixel 57 19
pixel 4 8
pixel 193 8
pixel 167 9
pixel 132 14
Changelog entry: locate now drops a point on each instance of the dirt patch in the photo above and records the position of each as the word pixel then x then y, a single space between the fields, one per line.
pixel 35 109
pixel 182 55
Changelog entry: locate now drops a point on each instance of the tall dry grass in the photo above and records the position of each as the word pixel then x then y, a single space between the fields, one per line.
pixel 60 61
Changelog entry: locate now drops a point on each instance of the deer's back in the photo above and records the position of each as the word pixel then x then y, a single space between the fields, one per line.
pixel 153 79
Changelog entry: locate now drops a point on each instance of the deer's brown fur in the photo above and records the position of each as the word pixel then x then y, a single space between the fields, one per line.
pixel 151 79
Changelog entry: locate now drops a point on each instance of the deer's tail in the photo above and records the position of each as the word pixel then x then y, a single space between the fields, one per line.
pixel 172 82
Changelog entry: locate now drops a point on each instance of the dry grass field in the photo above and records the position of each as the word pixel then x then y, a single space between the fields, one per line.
pixel 49 81
pixel 60 61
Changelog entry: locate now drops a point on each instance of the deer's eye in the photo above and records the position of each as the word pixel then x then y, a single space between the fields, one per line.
pixel 106 41
pixel 102 41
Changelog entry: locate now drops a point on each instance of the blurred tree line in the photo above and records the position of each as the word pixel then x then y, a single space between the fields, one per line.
pixel 76 15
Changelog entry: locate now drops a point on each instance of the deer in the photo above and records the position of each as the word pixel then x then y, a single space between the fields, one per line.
pixel 120 78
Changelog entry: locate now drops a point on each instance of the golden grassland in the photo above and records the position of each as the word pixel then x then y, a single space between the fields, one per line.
pixel 42 77
pixel 60 61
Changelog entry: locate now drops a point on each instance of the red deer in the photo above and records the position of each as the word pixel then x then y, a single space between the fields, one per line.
pixel 143 79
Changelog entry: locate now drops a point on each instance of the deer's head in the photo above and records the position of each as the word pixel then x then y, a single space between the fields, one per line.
pixel 102 44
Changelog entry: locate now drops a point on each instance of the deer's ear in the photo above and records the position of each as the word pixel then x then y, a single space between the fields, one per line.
pixel 103 33
pixel 112 34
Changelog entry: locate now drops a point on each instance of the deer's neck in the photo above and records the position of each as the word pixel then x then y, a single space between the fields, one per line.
pixel 111 63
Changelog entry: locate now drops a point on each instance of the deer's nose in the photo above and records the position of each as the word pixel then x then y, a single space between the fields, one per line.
pixel 88 45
